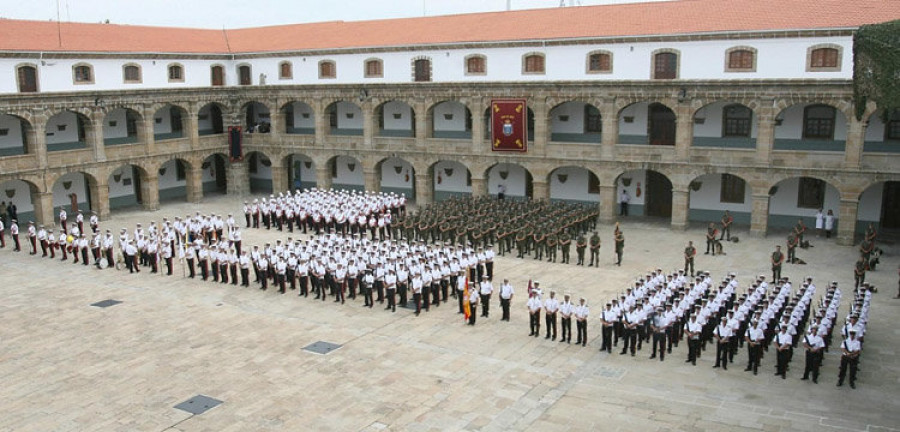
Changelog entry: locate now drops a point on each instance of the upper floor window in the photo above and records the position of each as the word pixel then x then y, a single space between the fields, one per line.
pixel 176 73
pixel 422 70
pixel 285 70
pixel 83 74
pixel 217 75
pixel 244 75
pixel 599 62
pixel 327 69
pixel 824 59
pixel 740 59
pixel 131 74
pixel 533 63
pixel 374 68
pixel 665 65
pixel 737 121
pixel 476 65
pixel 27 78
pixel 818 122
pixel 892 126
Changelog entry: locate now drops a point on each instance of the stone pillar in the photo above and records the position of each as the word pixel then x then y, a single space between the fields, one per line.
pixel 541 128
pixel 681 203
pixel 36 139
pixel 100 198
pixel 191 125
pixel 43 209
pixel 150 192
pixel 145 130
pixel 684 133
pixel 479 186
pixel 856 137
pixel 279 178
pixel 540 190
pixel 369 124
pixel 277 126
pixel 846 220
pixel 238 179
pixel 424 189
pixel 759 215
pixel 194 184
pixel 607 204
pixel 372 179
pixel 765 134
pixel 320 119
pixel 610 134
pixel 323 175
pixel 95 135
pixel 477 129
pixel 421 124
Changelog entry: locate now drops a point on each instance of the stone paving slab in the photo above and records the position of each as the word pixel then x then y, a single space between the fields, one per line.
pixel 66 366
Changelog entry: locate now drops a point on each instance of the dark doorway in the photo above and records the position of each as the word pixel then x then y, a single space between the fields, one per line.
pixel 215 115
pixel 658 201
pixel 661 125
pixel 890 206
pixel 221 181
pixel 136 182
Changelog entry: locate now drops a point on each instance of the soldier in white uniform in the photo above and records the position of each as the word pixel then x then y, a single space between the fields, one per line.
pixel 566 309
pixel 723 334
pixel 506 296
pixel 534 313
pixel 581 315
pixel 551 306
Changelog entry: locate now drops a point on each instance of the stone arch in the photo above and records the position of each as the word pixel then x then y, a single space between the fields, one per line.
pixel 650 191
pixel 172 178
pixel 396 175
pixel 17 135
pixel 516 179
pixel 647 122
pixel 299 118
pixel 344 118
pixel 823 134
pixel 879 204
pixel 69 130
pixel 394 118
pixel 211 119
pixel 77 191
pixel 575 120
pixel 301 171
pixel 711 193
pixel 121 125
pixel 725 124
pixel 574 183
pixel 259 170
pixel 170 122
pixel 450 178
pixel 346 172
pixel 256 117
pixel 126 185
pixel 214 178
pixel 449 119
pixel 793 197
pixel 21 192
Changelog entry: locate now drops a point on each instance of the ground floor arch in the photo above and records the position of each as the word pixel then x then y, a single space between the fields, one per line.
pixel 301 172
pixel 215 176
pixel 173 180
pixel 800 198
pixel 20 195
pixel 649 192
pixel 14 135
pixel 396 175
pixel 450 179
pixel 574 184
pixel 126 186
pixel 76 192
pixel 259 170
pixel 512 178
pixel 709 195
pixel 879 204
pixel 347 173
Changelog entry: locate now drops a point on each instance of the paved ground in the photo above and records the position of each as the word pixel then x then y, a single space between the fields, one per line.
pixel 66 366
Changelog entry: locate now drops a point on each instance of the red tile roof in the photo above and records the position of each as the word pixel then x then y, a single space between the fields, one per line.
pixel 636 19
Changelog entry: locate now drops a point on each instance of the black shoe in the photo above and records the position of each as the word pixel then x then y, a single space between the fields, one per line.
pixel 852 385
pixel 716 366
pixel 804 378
pixel 840 383
pixel 622 353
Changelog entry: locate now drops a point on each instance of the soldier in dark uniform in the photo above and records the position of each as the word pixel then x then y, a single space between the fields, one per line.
pixel 565 242
pixel 711 239
pixel 552 241
pixel 777 261
pixel 727 220
pixel 859 271
pixel 792 243
pixel 580 246
pixel 595 249
pixel 620 246
pixel 689 252
pixel 540 238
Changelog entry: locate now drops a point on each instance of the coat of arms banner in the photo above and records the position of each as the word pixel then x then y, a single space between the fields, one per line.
pixel 509 125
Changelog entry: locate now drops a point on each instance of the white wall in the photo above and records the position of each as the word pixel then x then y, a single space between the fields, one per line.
pixel 68 120
pixel 875 129
pixel 21 197
pixel 120 130
pixel 345 108
pixel 638 179
pixel 118 188
pixel 575 122
pixel 792 125
pixel 458 182
pixel 782 58
pixel 456 124
pixel 639 125
pixel 714 116
pixel 344 175
pixel 61 195
pixel 784 202
pixel 170 180
pixel 405 122
pixel 710 194
pixel 14 137
pixel 870 204
pixel 575 187
pixel 262 171
pixel 301 108
pixel 515 181
pixel 165 120
pixel 390 178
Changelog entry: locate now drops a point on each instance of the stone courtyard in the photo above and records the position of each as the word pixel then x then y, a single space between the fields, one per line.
pixel 68 366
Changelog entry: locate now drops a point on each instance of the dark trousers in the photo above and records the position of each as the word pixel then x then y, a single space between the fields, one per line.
pixel 504 304
pixel 813 361
pixel 607 339
pixel 417 298
pixel 753 352
pixel 783 356
pixel 392 299
pixel 473 309
pixel 693 350
pixel 629 339
pixel 566 329
pixel 550 320
pixel 623 209
pixel 851 363
pixel 659 341
pixel 245 277
pixel 581 329
pixel 534 323
pixel 486 307
pixel 722 352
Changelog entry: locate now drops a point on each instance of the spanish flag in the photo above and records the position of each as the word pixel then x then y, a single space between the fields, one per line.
pixel 467 311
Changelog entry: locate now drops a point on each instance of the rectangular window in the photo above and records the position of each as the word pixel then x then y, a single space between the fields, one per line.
pixel 892 127
pixel 824 58
pixel 218 76
pixel 422 70
pixel 327 70
pixel 373 69
pixel 599 63
pixel 176 73
pixel 810 193
pixel 27 79
pixel 818 122
pixel 244 75
pixel 83 74
pixel 475 65
pixel 132 74
pixel 733 189
pixel 738 121
pixel 592 121
pixel 534 64
pixel 740 59
pixel 666 66
pixel 285 71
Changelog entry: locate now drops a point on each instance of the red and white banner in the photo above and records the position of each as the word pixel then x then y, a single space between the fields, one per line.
pixel 509 125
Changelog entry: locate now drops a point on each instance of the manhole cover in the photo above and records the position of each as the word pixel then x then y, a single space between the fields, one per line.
pixel 198 404
pixel 106 303
pixel 321 347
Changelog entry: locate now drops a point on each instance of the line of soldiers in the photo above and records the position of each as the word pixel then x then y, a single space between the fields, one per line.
pixel 330 210
pixel 540 227
pixel 551 307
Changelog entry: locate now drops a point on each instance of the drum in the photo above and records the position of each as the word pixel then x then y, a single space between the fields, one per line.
pixel 103 263
pixel 70 239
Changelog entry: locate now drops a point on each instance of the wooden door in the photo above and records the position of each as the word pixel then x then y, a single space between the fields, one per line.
pixel 27 79
pixel 661 125
pixel 890 205
pixel 658 201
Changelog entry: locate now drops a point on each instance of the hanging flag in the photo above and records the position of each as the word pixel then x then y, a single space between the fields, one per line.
pixel 467 311
pixel 530 287
pixel 509 125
